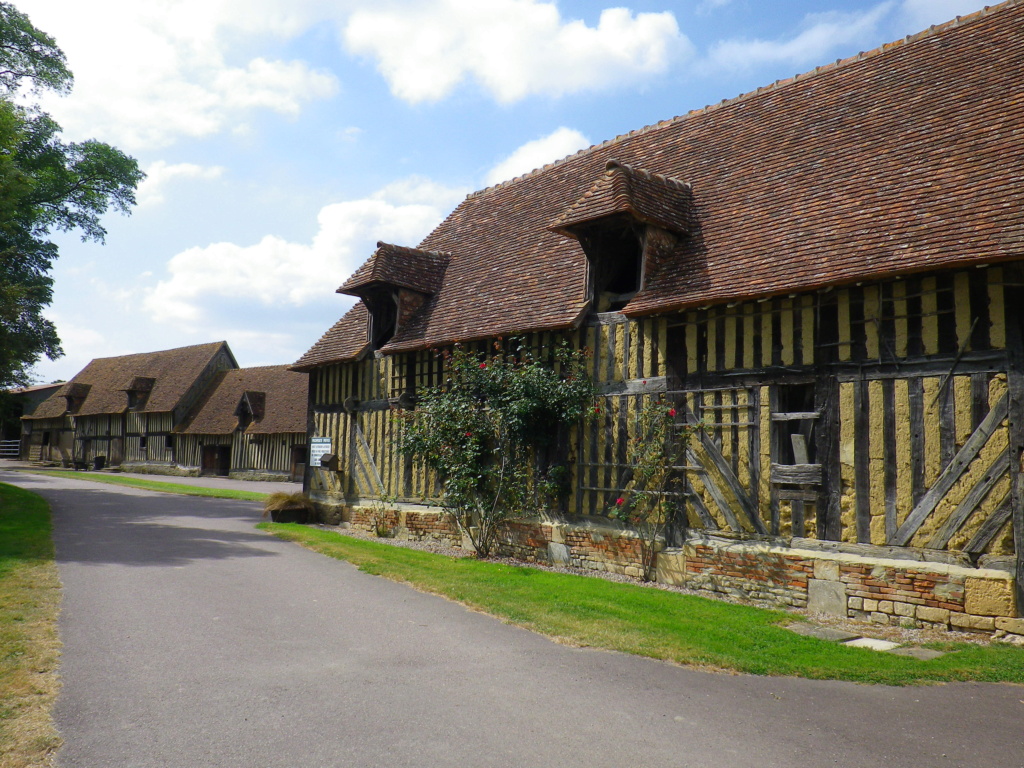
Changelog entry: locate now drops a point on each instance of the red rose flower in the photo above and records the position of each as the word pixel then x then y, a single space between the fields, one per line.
pixel 620 501
pixel 483 365
pixel 671 411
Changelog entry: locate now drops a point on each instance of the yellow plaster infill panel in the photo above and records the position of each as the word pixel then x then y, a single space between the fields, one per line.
pixel 988 505
pixel 843 306
pixel 974 474
pixel 691 344
pixel 744 416
pixel 662 347
pixel 996 389
pixel 786 519
pixel 872 311
pixel 962 408
pixel 932 444
pixel 764 433
pixel 848 498
pixel 962 301
pixel 876 460
pixel 904 476
pixel 725 417
pixel 730 339
pixel 620 352
pixel 996 308
pixel 634 349
pixel 807 332
pixel 712 326
pixel 786 327
pixel 748 335
pixel 929 318
pixel 649 328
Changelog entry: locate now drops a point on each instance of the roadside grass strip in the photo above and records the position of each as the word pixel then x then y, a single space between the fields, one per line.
pixel 657 623
pixel 29 645
pixel 152 485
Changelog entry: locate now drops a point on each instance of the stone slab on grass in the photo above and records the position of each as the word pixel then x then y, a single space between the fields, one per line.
pixel 822 633
pixel 872 644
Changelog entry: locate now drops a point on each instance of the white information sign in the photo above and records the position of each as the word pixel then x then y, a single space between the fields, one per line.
pixel 318 446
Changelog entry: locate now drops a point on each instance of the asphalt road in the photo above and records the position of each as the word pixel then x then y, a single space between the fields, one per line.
pixel 193 640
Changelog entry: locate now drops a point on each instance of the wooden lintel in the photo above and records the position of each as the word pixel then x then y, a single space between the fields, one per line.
pixel 796 474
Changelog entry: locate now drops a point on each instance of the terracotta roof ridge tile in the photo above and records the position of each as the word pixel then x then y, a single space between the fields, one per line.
pixel 838 63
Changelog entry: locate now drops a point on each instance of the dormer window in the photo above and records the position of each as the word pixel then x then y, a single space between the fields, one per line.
pixel 624 223
pixel 394 284
pixel 74 395
pixel 615 256
pixel 137 389
pixel 251 407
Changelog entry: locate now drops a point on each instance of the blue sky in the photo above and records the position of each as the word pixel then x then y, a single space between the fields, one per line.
pixel 283 138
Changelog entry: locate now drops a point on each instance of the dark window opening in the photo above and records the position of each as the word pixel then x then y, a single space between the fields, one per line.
pixel 616 255
pixel 168 442
pixel 244 418
pixel 795 420
pixel 383 307
pixel 46 438
pixel 133 399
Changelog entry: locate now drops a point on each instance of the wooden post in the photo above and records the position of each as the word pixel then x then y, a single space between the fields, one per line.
pixel 1015 416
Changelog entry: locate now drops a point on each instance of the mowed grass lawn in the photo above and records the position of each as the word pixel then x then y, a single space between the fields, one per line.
pixel 29 646
pixel 650 622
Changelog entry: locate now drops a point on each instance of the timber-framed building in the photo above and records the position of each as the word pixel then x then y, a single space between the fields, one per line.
pixel 125 409
pixel 827 272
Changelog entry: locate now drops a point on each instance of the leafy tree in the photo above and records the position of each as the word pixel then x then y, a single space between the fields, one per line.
pixel 46 186
pixel 483 431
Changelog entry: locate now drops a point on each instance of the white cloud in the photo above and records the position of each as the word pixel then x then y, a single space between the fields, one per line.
pixel 148 74
pixel 822 33
pixel 921 14
pixel 533 154
pixel 152 191
pixel 512 48
pixel 275 272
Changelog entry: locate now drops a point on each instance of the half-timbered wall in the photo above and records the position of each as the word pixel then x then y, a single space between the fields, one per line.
pixel 149 438
pixel 872 414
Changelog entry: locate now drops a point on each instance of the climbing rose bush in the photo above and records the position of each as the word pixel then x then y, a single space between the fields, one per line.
pixel 484 429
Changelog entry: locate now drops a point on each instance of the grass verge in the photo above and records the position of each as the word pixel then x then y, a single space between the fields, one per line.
pixel 153 485
pixel 660 624
pixel 29 646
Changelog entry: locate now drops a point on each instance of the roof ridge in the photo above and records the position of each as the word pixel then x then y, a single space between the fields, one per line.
pixel 438 254
pixel 931 31
pixel 648 175
pixel 159 351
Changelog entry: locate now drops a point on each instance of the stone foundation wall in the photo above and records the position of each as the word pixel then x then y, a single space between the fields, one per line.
pixel 159 468
pixel 867 584
pixel 855 581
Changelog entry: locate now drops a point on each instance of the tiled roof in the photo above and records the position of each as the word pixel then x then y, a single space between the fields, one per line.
pixel 906 159
pixel 647 197
pixel 174 371
pixel 283 394
pixel 345 340
pixel 402 267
